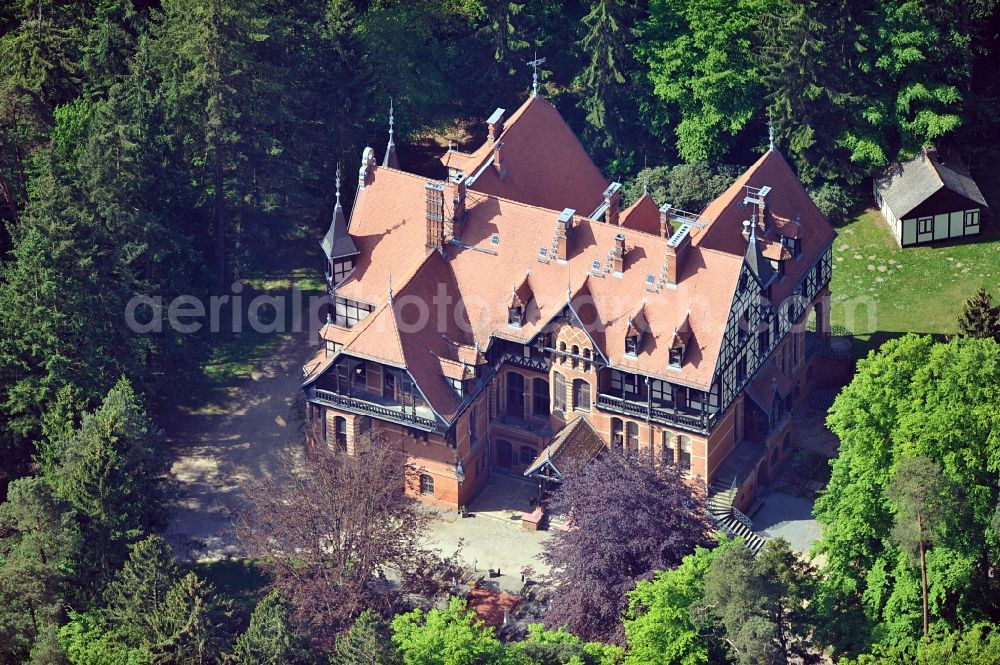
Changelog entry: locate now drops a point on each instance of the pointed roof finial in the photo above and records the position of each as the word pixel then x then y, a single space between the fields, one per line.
pixel 390 159
pixel 534 77
pixel 390 286
pixel 390 120
pixel 770 132
pixel 338 184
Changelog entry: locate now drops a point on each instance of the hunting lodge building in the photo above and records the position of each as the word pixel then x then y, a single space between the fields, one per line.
pixel 513 317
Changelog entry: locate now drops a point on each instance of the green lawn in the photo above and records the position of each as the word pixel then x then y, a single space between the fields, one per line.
pixel 881 291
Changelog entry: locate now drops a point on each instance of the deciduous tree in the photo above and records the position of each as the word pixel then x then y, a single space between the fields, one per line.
pixel 913 398
pixel 339 535
pixel 628 519
pixel 452 636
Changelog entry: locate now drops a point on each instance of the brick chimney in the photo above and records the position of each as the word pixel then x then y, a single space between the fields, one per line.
pixel 677 249
pixel 564 228
pixel 618 254
pixel 494 125
pixel 435 215
pixel 665 229
pixel 613 203
pixel 456 190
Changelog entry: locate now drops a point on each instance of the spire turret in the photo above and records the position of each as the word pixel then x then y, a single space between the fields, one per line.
pixel 391 160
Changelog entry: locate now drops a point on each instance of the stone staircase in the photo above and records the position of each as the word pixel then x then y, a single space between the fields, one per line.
pixel 721 494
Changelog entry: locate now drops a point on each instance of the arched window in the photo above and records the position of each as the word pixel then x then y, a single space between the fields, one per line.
pixel 562 350
pixel 426 484
pixel 685 457
pixel 667 453
pixel 632 429
pixel 586 360
pixel 576 352
pixel 340 432
pixel 558 392
pixel 540 397
pixel 581 395
pixel 617 434
pixel 528 455
pixel 515 395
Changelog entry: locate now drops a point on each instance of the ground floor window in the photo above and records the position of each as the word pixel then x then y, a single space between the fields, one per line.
pixel 340 430
pixel 685 456
pixel 426 484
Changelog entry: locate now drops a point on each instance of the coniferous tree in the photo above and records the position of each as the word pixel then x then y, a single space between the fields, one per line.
pixel 366 642
pixel 39 545
pixel 271 638
pixel 190 626
pixel 760 603
pixel 980 317
pixel 810 60
pixel 920 494
pixel 113 470
pixel 606 79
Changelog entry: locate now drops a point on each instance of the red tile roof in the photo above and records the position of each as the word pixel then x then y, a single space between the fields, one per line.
pixel 643 215
pixel 449 303
pixel 544 162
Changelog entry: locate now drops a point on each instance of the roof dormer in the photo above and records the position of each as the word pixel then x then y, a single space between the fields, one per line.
pixel 518 305
pixel 635 331
pixel 678 343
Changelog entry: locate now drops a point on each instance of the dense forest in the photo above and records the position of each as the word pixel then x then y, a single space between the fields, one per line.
pixel 166 147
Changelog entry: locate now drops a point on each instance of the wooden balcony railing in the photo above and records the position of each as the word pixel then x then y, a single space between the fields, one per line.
pixel 395 414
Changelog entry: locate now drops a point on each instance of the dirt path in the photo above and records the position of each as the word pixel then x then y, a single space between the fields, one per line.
pixel 218 446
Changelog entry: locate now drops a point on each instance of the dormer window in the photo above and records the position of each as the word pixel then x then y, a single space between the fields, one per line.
pixel 456 385
pixel 632 345
pixel 515 316
pixel 341 269
pixel 676 358
pixel 779 266
pixel 793 245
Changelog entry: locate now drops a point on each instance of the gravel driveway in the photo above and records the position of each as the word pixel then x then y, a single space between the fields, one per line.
pixel 218 446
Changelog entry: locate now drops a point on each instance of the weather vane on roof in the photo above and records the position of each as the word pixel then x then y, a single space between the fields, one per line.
pixel 338 183
pixel 534 77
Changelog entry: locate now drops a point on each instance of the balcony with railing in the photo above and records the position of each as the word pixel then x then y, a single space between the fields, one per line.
pixel 689 417
pixel 372 405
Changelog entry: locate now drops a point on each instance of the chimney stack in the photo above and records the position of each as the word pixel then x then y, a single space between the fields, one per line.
pixel 564 226
pixel 613 203
pixel 435 216
pixel 618 254
pixel 665 229
pixel 457 189
pixel 677 248
pixel 495 125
